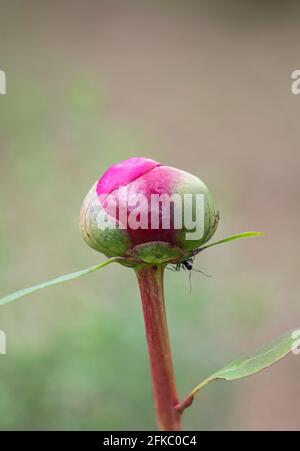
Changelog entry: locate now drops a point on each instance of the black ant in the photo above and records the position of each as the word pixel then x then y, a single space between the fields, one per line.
pixel 188 264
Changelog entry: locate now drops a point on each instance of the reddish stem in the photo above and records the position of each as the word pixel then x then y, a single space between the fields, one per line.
pixel 163 381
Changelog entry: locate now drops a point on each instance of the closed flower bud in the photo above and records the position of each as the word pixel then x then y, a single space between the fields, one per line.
pixel 144 211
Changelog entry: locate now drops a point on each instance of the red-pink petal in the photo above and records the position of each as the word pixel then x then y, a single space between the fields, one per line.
pixel 123 173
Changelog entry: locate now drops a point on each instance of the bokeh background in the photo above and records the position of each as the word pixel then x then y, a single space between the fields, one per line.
pixel 200 85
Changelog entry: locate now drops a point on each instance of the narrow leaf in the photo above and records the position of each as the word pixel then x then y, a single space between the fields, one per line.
pixel 75 275
pixel 263 358
pixel 237 236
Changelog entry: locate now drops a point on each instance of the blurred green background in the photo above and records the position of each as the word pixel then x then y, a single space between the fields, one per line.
pixel 202 86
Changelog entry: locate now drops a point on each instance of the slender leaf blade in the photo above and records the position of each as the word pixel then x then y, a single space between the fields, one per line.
pixel 236 236
pixel 263 358
pixel 75 275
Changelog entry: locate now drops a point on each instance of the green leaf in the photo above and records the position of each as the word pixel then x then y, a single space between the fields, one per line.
pixel 263 358
pixel 237 236
pixel 75 275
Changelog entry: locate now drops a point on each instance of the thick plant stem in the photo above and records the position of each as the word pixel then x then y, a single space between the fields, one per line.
pixel 163 381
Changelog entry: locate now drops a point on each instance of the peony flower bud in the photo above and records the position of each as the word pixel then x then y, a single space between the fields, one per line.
pixel 147 212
